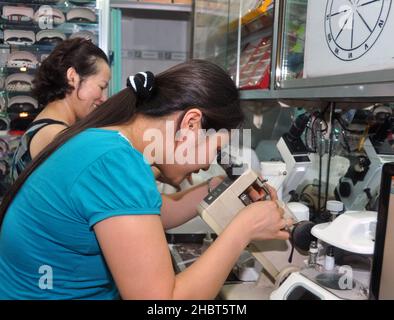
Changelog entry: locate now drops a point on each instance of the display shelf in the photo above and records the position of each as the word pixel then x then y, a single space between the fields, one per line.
pixel 63 9
pixel 68 27
pixel 34 47
pixel 255 19
pixel 5 70
pixel 61 5
pixel 32 25
pixel 257 25
pixel 230 35
pixel 3 92
pixel 41 48
pixel 19 121
pixel 249 38
pixel 35 2
pixel 291 63
pixel 377 92
pixel 305 62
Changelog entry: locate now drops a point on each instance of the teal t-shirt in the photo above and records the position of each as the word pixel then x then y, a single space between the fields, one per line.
pixel 48 248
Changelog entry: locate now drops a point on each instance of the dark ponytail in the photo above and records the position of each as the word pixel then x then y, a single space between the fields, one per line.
pixel 195 84
pixel 50 82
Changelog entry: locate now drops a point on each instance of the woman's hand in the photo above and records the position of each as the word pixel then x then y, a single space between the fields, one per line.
pixel 215 181
pixel 257 195
pixel 263 220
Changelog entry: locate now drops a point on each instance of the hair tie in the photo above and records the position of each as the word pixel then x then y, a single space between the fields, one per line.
pixel 142 84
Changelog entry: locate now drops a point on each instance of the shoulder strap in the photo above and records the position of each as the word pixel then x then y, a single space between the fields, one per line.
pixel 46 122
pixel 36 126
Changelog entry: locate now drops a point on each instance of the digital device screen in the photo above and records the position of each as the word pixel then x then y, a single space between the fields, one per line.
pixel 386 279
pixel 382 280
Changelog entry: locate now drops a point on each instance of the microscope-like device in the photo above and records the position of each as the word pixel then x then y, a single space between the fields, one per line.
pixel 225 202
pixel 295 155
pixel 359 188
pixel 218 209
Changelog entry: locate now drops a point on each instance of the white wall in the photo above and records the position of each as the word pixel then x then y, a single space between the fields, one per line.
pixel 152 35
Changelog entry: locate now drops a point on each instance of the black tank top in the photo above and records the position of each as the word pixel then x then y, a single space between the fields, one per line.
pixel 22 155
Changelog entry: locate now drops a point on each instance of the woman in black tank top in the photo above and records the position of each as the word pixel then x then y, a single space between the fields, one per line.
pixel 69 84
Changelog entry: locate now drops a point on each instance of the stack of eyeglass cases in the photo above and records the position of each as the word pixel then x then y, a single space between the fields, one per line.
pixel 29 31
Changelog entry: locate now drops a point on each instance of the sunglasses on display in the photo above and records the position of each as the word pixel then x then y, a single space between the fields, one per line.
pixel 50 37
pixel 19 82
pixel 18 14
pixel 22 59
pixel 81 15
pixel 21 104
pixel 19 37
pixel 21 40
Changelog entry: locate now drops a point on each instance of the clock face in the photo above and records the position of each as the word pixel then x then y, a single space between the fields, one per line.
pixel 353 26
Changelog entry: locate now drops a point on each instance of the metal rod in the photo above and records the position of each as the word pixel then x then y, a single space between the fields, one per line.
pixel 277 43
pixel 332 108
pixel 239 39
pixel 321 153
pixel 320 176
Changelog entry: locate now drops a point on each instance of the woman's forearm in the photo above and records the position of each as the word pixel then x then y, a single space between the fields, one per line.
pixel 182 206
pixel 204 278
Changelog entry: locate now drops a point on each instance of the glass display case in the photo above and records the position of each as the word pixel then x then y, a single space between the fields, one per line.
pixel 292 55
pixel 333 59
pixel 328 57
pixel 336 43
pixel 237 35
pixel 336 50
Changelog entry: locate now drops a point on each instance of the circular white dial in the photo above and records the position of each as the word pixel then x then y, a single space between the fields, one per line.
pixel 353 26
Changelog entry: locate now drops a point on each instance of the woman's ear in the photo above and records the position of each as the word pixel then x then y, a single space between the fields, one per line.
pixel 73 77
pixel 191 120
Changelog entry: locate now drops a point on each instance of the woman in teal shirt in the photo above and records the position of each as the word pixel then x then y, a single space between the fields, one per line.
pixel 85 220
